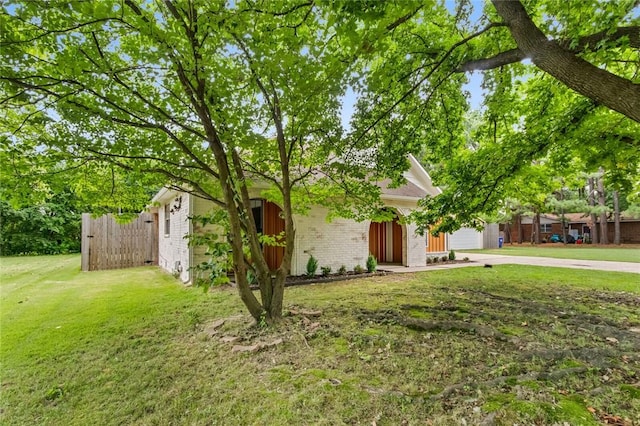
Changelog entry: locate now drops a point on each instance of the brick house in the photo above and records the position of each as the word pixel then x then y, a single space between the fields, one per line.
pixel 549 225
pixel 629 227
pixel 576 224
pixel 336 243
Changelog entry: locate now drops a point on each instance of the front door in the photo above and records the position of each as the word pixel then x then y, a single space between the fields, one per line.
pixel 385 241
pixel 269 221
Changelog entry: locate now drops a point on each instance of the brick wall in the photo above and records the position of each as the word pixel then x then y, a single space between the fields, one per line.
pixel 173 248
pixel 629 232
pixel 340 242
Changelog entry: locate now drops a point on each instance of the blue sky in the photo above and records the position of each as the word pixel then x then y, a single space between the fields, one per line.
pixel 473 86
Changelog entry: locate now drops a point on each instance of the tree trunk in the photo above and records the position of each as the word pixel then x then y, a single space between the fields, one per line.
pixel 519 219
pixel 598 84
pixel 604 237
pixel 562 219
pixel 507 232
pixel 616 216
pixel 594 218
pixel 535 229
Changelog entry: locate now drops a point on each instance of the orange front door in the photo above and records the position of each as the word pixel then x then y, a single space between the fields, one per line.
pixel 273 224
pixel 385 241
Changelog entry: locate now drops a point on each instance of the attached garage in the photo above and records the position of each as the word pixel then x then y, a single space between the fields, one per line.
pixel 470 239
pixel 465 239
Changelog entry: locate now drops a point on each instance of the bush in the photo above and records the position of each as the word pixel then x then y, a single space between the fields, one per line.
pixel 429 260
pixel 452 255
pixel 358 269
pixel 372 263
pixel 466 259
pixel 436 259
pixel 312 266
pixel 342 270
pixel 445 258
pixel 326 270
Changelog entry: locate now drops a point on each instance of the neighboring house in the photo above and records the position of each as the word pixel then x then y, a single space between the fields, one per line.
pixel 576 224
pixel 549 225
pixel 580 224
pixel 336 243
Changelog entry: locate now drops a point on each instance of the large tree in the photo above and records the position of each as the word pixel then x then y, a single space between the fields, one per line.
pixel 557 78
pixel 214 95
pixel 563 51
pixel 210 95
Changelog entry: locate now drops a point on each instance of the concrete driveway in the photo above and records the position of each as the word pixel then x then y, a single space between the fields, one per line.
pixel 481 259
pixel 599 265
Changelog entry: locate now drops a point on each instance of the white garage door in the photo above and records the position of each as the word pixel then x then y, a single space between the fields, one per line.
pixel 465 238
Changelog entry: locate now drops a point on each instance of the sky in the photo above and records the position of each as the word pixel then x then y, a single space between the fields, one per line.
pixel 473 86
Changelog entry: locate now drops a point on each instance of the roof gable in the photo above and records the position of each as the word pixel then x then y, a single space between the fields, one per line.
pixel 418 184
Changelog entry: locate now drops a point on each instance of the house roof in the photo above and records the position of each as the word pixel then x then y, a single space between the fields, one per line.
pixel 585 218
pixel 163 195
pixel 410 189
pixel 418 184
pixel 577 218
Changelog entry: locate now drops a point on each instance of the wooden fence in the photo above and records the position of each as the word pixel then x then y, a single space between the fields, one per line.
pixel 107 244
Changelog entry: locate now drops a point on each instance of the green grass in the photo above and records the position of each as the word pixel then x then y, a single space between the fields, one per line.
pixel 132 347
pixel 570 251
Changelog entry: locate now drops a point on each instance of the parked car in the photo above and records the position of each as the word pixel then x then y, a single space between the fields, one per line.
pixel 557 238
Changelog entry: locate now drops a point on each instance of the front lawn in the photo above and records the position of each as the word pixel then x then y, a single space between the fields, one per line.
pixel 569 251
pixel 502 345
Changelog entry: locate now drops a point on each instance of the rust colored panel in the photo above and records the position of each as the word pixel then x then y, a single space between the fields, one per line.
pixel 378 241
pixel 273 224
pixel 373 240
pixel 396 233
pixel 436 244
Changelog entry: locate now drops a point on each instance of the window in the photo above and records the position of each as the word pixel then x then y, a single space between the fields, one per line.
pixel 545 227
pixel 167 219
pixel 256 209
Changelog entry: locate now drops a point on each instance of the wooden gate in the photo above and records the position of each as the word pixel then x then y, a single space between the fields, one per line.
pixel 107 244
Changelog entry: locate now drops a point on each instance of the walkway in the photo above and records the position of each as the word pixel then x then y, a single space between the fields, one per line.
pixel 481 259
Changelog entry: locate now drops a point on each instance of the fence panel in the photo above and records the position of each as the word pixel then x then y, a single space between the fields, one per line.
pixel 107 244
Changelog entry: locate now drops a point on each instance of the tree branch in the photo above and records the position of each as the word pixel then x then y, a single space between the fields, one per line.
pixel 610 90
pixel 403 19
pixel 426 77
pixel 589 42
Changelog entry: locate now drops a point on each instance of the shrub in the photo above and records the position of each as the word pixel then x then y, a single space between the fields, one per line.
pixel 445 258
pixel 452 255
pixel 342 270
pixel 466 259
pixel 358 269
pixel 372 263
pixel 326 270
pixel 436 259
pixel 312 266
pixel 429 260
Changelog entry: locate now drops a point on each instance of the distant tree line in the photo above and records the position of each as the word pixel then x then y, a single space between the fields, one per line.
pixel 50 227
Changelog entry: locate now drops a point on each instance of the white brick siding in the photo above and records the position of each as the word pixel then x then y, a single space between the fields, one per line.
pixel 202 207
pixel 173 249
pixel 340 242
pixel 416 253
